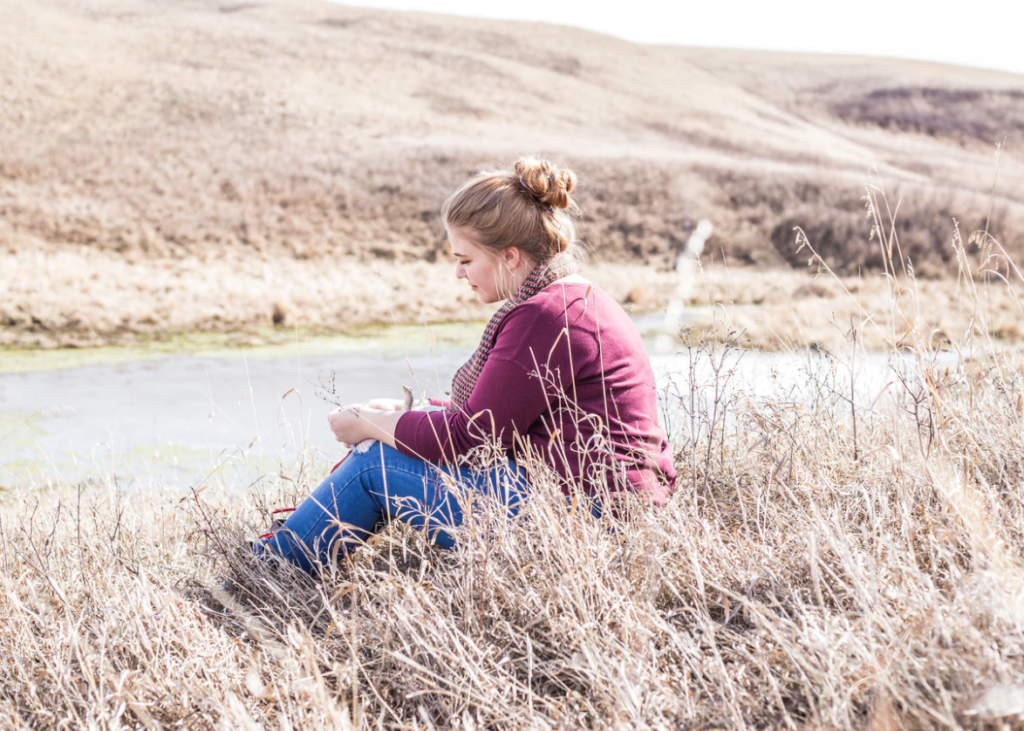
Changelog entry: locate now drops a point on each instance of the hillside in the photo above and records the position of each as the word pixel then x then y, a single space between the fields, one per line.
pixel 308 128
pixel 172 167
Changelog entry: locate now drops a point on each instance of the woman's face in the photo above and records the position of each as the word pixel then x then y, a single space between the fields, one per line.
pixel 494 277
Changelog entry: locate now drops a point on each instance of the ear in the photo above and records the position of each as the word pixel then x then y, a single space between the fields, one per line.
pixel 512 257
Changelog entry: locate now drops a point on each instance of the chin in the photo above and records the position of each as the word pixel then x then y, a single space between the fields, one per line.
pixel 484 297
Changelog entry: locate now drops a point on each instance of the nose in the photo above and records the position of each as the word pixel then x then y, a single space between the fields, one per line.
pixel 460 271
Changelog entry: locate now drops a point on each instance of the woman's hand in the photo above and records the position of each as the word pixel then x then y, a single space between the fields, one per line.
pixel 348 425
pixel 352 424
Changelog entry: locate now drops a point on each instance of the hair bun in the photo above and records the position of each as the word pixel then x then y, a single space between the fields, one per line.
pixel 547 183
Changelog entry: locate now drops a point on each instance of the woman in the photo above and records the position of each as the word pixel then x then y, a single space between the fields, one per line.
pixel 560 375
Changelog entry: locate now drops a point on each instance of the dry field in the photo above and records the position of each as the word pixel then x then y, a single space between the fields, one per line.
pixel 88 298
pixel 315 140
pixel 823 564
pixel 827 561
pixel 83 298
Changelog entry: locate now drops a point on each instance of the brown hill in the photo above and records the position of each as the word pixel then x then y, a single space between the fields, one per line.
pixel 306 128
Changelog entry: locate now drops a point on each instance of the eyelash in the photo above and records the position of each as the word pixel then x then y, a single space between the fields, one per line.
pixel 464 263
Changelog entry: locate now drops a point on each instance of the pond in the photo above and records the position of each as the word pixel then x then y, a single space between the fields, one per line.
pixel 233 414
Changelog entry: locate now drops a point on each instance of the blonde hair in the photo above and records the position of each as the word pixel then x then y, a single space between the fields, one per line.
pixel 528 207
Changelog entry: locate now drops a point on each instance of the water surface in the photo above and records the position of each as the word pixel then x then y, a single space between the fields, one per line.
pixel 233 414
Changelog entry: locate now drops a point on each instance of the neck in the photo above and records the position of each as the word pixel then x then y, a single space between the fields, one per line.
pixel 515 278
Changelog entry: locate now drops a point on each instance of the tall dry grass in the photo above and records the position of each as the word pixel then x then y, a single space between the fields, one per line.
pixel 828 561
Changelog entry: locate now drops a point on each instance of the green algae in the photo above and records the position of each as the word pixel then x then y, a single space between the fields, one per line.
pixel 29 456
pixel 382 340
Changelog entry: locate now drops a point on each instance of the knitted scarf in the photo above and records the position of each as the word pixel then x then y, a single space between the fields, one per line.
pixel 541 276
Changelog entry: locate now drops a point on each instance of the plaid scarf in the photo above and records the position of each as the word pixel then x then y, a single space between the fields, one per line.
pixel 541 276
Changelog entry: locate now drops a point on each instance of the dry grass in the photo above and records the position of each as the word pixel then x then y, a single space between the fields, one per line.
pixel 313 130
pixel 87 298
pixel 824 564
pixel 783 310
pixel 193 166
pixel 81 298
pixel 942 112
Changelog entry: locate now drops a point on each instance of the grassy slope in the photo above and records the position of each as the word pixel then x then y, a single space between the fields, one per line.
pixel 812 572
pixel 807 575
pixel 311 128
pixel 171 167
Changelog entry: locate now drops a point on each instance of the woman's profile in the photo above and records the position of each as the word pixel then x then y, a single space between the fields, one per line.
pixel 560 377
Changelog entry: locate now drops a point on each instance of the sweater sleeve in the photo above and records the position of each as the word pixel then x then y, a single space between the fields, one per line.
pixel 507 399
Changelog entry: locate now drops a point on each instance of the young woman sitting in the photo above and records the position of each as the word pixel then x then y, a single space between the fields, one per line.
pixel 560 373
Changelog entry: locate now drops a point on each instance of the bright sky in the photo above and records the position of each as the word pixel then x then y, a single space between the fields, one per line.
pixel 983 33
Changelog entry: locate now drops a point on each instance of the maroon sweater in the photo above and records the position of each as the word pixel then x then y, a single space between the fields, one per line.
pixel 569 375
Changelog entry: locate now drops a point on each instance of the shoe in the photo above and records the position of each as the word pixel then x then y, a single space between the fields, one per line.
pixel 277 521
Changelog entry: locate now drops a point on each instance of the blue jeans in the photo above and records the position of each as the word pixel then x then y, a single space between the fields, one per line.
pixel 366 490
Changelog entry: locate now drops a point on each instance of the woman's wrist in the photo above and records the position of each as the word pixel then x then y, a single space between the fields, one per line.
pixel 384 404
pixel 381 425
pixel 354 424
